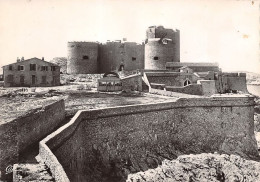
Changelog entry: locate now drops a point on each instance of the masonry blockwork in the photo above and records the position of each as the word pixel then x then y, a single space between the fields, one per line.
pixel 129 139
pixel 161 46
pixel 82 57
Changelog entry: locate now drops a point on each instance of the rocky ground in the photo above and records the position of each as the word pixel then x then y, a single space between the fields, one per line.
pixel 202 167
pixel 32 172
pixel 15 102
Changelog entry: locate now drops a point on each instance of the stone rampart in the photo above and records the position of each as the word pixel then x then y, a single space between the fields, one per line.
pixel 108 144
pixel 17 135
pixel 231 82
pixel 193 89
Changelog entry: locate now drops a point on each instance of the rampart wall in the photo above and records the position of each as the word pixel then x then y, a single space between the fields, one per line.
pixel 17 135
pixel 108 144
pixel 193 89
pixel 231 81
pixel 171 78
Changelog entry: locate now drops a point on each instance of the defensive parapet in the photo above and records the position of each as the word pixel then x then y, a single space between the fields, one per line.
pixel 162 45
pixel 227 82
pixel 82 57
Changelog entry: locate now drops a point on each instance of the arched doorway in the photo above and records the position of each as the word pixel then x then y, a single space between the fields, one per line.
pixel 187 82
pixel 121 67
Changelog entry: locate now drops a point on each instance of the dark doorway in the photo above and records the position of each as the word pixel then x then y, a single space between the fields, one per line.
pixel 121 67
pixel 33 79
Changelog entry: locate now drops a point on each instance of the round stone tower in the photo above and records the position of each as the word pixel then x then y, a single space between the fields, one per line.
pixel 162 46
pixel 82 57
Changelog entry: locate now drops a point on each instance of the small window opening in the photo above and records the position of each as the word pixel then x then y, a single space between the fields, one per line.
pixel 133 59
pixel 85 57
pixel 156 58
pixel 20 68
pixel 10 67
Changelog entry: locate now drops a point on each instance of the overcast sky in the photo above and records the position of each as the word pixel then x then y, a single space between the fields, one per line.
pixel 223 31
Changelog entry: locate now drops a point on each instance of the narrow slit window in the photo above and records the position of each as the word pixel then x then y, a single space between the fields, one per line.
pixel 156 58
pixel 85 57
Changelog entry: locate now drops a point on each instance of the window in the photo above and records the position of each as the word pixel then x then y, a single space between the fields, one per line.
pixel 20 68
pixel 44 68
pixel 118 84
pixel 85 57
pixel 44 79
pixel 10 78
pixel 53 68
pixel 133 58
pixel 156 58
pixel 102 83
pixel 32 67
pixel 10 67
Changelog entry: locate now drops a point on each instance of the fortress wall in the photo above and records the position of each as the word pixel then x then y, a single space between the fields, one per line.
pixel 208 87
pixel 17 135
pixel 193 89
pixel 172 79
pixel 114 54
pixel 231 81
pixel 108 144
pixel 134 50
pixel 237 83
pixel 82 57
pixel 108 60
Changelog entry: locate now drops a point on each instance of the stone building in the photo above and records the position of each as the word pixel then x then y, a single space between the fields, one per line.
pixel 93 57
pixel 110 82
pixel 31 72
pixel 161 46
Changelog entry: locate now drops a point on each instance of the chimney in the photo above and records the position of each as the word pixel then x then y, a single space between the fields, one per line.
pixel 22 59
pixel 42 58
pixel 18 60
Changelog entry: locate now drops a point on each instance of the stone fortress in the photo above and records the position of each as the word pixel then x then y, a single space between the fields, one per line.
pixel 161 46
pixel 158 59
pixel 112 144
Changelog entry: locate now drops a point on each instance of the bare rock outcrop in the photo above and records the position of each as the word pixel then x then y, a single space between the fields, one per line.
pixel 202 167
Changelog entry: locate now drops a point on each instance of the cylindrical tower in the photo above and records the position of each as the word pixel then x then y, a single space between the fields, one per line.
pixel 157 54
pixel 162 46
pixel 82 57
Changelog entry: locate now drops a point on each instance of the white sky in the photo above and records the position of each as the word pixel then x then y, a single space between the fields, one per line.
pixel 223 31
